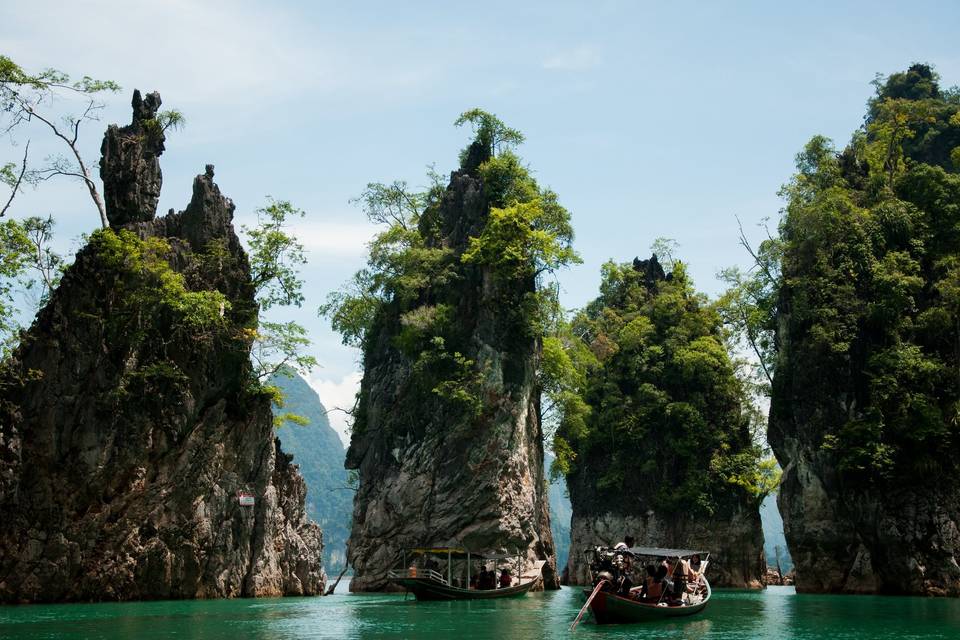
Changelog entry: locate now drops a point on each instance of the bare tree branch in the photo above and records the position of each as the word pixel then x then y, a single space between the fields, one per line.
pixel 42 175
pixel 753 254
pixel 87 179
pixel 16 186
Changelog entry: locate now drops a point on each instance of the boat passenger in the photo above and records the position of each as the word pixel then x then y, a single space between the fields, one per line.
pixel 475 581
pixel 695 565
pixel 680 570
pixel 665 584
pixel 624 584
pixel 651 588
pixel 624 549
pixel 488 579
pixel 694 568
pixel 505 579
pixel 626 544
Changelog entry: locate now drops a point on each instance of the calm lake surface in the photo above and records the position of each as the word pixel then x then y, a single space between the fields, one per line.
pixel 777 613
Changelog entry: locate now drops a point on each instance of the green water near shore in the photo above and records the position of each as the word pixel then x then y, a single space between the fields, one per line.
pixel 777 613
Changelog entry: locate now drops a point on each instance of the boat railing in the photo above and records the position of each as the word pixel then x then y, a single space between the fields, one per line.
pixel 417 573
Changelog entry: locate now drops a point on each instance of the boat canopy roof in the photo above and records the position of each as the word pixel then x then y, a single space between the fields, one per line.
pixel 460 552
pixel 665 553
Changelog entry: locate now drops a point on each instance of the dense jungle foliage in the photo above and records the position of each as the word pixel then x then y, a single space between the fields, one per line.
pixel 413 292
pixel 857 299
pixel 657 417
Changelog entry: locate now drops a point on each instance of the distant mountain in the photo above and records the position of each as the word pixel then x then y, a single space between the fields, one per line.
pixel 560 512
pixel 317 448
pixel 773 538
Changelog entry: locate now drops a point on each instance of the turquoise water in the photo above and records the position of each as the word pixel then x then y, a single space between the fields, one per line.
pixel 777 613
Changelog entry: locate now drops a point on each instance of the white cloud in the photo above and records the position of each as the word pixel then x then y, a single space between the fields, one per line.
pixel 198 52
pixel 340 239
pixel 337 396
pixel 231 56
pixel 580 58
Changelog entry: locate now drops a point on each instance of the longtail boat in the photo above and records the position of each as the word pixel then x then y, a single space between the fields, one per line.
pixel 611 602
pixel 422 575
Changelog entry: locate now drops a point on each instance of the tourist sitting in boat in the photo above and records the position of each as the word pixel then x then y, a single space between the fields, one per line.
pixel 626 544
pixel 488 579
pixel 694 567
pixel 666 585
pixel 652 588
pixel 505 579
pixel 475 581
pixel 679 579
pixel 695 564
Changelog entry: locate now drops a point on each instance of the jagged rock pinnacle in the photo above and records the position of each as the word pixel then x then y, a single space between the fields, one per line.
pixel 130 164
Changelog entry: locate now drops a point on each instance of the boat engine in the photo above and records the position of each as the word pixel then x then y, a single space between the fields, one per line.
pixel 612 565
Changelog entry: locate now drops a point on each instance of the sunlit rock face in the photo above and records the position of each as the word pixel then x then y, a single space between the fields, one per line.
pixel 125 440
pixel 427 475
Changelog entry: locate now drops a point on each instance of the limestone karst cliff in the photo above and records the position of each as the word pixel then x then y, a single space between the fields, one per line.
pixel 866 391
pixel 662 448
pixel 447 440
pixel 128 423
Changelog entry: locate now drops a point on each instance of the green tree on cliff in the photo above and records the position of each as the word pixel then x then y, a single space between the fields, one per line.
pixel 524 237
pixel 664 418
pixel 866 293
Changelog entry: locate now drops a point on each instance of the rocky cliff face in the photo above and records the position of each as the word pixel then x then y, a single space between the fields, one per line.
pixel 130 164
pixel 430 474
pixel 849 539
pixel 127 424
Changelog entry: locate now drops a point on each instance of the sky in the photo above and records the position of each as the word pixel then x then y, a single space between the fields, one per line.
pixel 648 119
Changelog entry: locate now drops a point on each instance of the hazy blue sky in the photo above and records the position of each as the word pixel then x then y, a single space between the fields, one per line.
pixel 648 120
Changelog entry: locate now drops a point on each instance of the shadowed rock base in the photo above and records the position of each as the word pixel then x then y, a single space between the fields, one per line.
pixel 900 542
pixel 735 544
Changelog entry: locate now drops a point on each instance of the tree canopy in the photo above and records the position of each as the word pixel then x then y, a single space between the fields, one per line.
pixel 860 288
pixel 657 417
pixel 408 290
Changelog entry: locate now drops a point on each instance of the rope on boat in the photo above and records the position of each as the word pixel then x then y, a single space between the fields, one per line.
pixel 596 590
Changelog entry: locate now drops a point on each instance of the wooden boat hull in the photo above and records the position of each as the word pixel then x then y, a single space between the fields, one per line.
pixel 609 608
pixel 430 589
